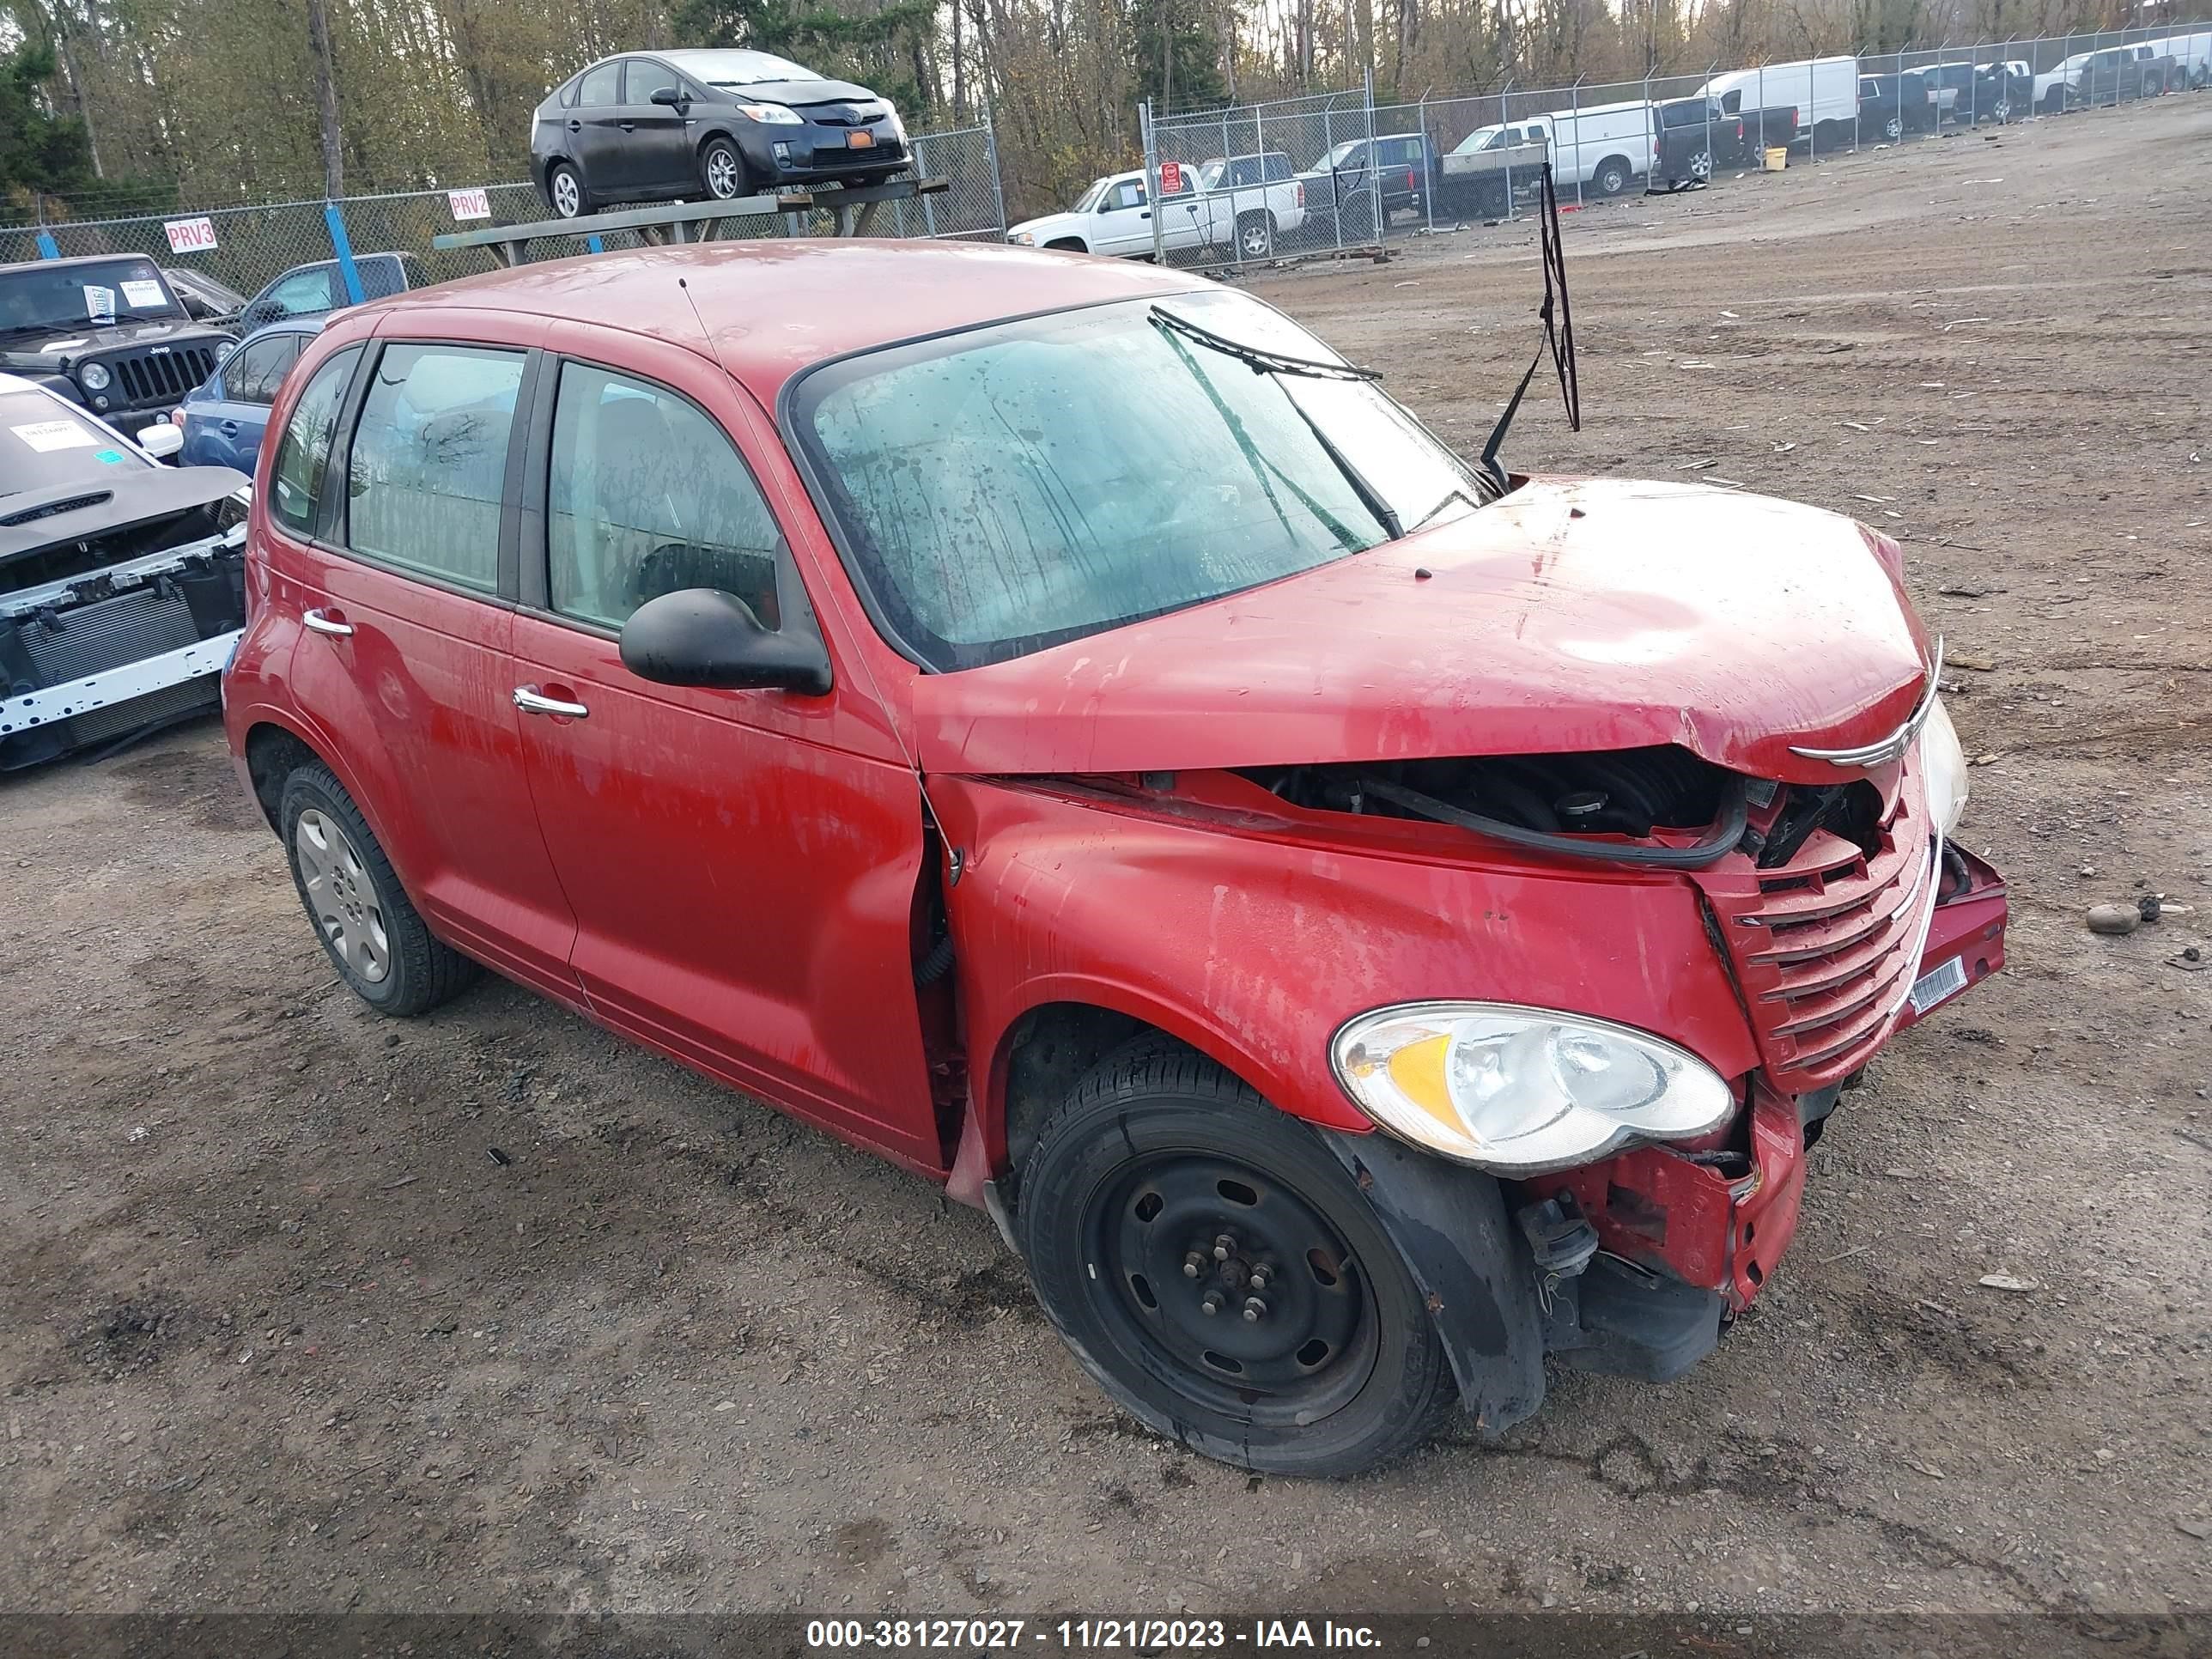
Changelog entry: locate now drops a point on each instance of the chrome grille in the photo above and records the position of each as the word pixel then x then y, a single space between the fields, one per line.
pixel 163 376
pixel 1825 948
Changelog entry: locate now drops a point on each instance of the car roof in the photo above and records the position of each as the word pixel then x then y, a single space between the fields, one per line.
pixel 81 259
pixel 311 323
pixel 774 307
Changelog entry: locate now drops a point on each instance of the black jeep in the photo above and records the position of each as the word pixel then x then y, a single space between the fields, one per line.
pixel 105 332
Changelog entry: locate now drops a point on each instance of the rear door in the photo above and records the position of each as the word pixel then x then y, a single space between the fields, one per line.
pixel 742 864
pixel 595 129
pixel 404 580
pixel 226 430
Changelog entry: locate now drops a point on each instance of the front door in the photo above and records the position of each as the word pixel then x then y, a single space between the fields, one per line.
pixel 744 882
pixel 402 652
pixel 657 154
pixel 1124 220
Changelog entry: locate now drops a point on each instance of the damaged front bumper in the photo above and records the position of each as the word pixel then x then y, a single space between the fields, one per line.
pixel 1687 1239
pixel 1633 1265
pixel 98 657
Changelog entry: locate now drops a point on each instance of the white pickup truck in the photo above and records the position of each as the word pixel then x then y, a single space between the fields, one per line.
pixel 1246 202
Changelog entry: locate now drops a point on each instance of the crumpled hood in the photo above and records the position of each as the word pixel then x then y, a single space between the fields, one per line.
pixel 1572 615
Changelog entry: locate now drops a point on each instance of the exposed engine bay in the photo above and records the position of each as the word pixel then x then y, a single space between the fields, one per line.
pixel 1616 799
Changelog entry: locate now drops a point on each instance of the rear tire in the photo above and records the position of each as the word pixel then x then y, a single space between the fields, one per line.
pixel 1255 236
pixel 565 194
pixel 368 928
pixel 1613 175
pixel 1156 1157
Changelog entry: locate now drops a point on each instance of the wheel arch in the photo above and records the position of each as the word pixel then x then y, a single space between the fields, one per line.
pixel 272 749
pixel 1047 1048
pixel 1069 245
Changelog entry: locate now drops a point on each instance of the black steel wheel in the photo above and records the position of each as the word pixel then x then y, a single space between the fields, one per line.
pixel 1215 1269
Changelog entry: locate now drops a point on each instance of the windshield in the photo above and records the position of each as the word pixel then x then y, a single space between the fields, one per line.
pixel 1017 486
pixel 45 445
pixel 739 69
pixel 1343 153
pixel 1088 199
pixel 50 299
pixel 1481 138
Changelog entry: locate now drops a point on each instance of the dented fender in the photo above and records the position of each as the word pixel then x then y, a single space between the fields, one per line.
pixel 1255 949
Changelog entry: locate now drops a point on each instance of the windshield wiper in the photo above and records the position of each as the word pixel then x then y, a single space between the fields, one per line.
pixel 1455 494
pixel 1275 363
pixel 1558 321
pixel 1266 362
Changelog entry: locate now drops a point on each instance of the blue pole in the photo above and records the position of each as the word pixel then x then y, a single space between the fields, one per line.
pixel 595 244
pixel 344 249
pixel 48 248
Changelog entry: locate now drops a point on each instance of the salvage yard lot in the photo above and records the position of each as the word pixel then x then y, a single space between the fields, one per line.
pixel 280 1330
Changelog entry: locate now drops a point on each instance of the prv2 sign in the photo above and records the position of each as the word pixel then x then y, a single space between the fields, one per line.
pixel 470 204
pixel 190 235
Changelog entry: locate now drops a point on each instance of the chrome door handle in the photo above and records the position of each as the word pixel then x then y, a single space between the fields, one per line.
pixel 531 701
pixel 319 623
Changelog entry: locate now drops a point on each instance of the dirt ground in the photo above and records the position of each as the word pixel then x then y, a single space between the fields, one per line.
pixel 279 1330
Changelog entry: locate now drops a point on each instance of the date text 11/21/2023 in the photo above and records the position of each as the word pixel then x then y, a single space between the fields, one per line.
pixel 1138 1635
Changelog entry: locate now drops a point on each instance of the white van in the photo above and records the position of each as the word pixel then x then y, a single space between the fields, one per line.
pixel 2194 53
pixel 1824 91
pixel 1601 148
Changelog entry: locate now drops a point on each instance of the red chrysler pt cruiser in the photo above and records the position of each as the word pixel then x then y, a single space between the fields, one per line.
pixel 1361 921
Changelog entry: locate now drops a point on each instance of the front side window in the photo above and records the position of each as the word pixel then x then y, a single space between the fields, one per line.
pixel 429 462
pixel 646 496
pixel 1014 487
pixel 1129 193
pixel 304 456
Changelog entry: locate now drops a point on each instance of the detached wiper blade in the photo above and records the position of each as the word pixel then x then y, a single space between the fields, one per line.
pixel 1268 362
pixel 1450 495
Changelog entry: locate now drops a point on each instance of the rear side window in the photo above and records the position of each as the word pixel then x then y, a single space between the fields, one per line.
pixel 600 85
pixel 304 456
pixel 429 462
pixel 253 374
pixel 647 497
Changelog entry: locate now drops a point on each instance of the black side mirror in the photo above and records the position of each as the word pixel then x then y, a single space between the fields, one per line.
pixel 702 636
pixel 672 97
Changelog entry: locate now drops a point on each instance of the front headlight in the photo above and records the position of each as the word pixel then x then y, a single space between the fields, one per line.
pixel 775 115
pixel 96 377
pixel 1944 770
pixel 1520 1091
pixel 1023 237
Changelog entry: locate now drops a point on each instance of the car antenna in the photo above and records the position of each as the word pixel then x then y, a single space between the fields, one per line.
pixel 1559 320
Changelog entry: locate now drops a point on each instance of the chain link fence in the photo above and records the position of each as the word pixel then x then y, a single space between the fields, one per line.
pixel 247 248
pixel 1338 174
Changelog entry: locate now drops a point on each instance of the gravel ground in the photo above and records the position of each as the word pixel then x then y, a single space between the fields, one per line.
pixel 278 1332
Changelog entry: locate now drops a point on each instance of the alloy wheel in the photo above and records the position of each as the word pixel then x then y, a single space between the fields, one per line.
pixel 568 197
pixel 1229 1287
pixel 1701 165
pixel 722 175
pixel 1254 241
pixel 341 896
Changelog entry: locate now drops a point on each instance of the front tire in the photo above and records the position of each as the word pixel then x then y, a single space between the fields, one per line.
pixel 1163 1185
pixel 368 927
pixel 722 171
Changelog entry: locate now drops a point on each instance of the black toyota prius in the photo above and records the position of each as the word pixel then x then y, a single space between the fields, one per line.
pixel 705 126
